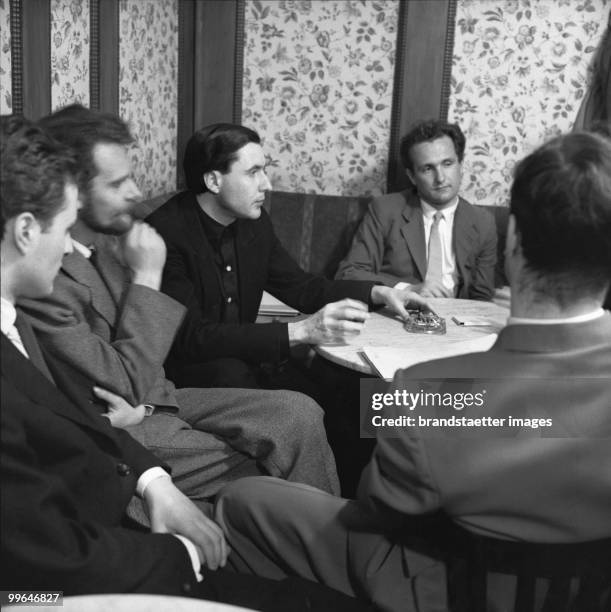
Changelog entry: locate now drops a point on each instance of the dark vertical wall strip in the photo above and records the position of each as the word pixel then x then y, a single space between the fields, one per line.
pixel 108 55
pixel 215 36
pixel 186 54
pixel 16 58
pixel 36 57
pixel 239 61
pixel 447 61
pixel 394 166
pixel 419 72
pixel 94 54
pixel 210 67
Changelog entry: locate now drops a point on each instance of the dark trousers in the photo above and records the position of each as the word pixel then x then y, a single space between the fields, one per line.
pixel 237 374
pixel 340 397
pixel 294 594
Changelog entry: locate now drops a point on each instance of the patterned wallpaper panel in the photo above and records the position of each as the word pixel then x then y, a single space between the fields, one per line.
pixel 318 89
pixel 6 87
pixel 148 79
pixel 69 52
pixel 519 73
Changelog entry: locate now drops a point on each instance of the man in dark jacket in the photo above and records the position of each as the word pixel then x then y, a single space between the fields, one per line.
pixel 67 474
pixel 222 255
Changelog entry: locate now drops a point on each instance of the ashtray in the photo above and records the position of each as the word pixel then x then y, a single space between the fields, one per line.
pixel 420 322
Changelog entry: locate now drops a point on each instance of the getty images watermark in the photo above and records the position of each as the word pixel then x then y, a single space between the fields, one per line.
pixel 500 407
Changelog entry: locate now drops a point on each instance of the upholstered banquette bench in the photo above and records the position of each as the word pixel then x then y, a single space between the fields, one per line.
pixel 317 229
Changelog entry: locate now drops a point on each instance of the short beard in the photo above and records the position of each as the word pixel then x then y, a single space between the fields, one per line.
pixel 90 220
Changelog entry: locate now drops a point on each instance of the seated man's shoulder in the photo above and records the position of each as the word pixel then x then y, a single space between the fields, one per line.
pixel 478 211
pixel 393 204
pixel 479 214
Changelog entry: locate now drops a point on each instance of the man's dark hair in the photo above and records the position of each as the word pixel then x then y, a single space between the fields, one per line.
pixel 561 200
pixel 427 131
pixel 214 147
pixel 34 171
pixel 81 130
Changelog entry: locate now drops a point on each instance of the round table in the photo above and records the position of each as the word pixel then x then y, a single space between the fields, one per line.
pixel 384 339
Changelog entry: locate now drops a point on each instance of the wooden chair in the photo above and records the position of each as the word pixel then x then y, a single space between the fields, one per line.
pixel 545 577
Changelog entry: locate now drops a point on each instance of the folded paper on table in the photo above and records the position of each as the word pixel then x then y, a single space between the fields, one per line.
pixel 271 306
pixel 385 361
pixel 473 322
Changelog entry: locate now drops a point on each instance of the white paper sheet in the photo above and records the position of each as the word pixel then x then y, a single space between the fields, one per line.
pixel 271 306
pixel 386 360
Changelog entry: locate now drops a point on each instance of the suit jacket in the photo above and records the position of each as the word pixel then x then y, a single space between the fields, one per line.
pixel 389 246
pixel 106 329
pixel 528 487
pixel 67 477
pixel 191 277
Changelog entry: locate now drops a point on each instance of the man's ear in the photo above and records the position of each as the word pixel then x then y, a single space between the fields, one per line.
pixel 410 176
pixel 513 242
pixel 212 180
pixel 26 232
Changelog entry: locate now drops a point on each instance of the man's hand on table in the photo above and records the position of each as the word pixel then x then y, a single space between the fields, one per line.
pixel 398 299
pixel 332 323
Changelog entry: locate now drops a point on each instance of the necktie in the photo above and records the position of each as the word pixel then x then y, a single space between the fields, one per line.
pixel 13 335
pixel 434 267
pixel 31 346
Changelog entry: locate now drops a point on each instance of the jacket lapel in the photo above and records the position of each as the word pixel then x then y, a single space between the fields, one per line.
pixel 33 383
pixel 195 235
pixel 464 236
pixel 31 345
pixel 80 269
pixel 413 233
pixel 115 274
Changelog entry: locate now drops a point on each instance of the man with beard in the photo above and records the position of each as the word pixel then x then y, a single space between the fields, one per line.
pixel 107 325
pixel 67 475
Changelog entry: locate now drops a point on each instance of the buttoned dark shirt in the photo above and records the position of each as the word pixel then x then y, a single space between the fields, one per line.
pixel 222 241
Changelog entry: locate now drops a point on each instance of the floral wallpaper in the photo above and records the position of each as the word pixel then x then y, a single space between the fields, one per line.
pixel 318 88
pixel 148 75
pixel 6 87
pixel 69 52
pixel 519 73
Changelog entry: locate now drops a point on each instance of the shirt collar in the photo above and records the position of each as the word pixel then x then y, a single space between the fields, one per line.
pixel 448 213
pixel 8 315
pixel 81 248
pixel 214 230
pixel 589 316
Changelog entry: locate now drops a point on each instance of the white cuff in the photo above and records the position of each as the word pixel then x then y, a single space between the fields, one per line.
pixel 402 285
pixel 192 550
pixel 147 477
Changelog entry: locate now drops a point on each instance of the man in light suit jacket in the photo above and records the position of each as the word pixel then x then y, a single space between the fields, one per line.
pixel 551 363
pixel 400 242
pixel 106 324
pixel 67 475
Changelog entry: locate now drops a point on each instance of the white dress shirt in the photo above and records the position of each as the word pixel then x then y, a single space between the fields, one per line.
pixel 589 316
pixel 446 227
pixel 8 316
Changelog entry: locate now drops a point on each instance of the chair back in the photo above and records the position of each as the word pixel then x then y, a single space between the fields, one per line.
pixel 541 577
